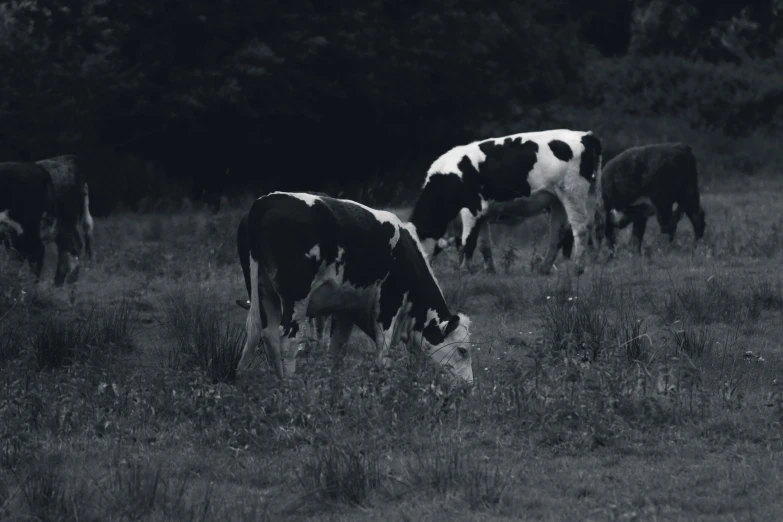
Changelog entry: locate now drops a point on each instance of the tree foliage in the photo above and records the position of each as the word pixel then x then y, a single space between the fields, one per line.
pixel 234 92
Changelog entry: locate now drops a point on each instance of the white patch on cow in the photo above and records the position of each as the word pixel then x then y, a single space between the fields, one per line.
pixel 5 219
pixel 310 199
pixel 443 243
pixel 468 222
pixel 314 253
pixel 644 201
pixel 428 247
pixel 448 162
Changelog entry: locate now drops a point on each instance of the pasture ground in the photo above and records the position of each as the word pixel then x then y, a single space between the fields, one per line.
pixel 647 389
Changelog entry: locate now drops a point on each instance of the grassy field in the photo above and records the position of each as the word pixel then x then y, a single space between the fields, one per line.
pixel 644 390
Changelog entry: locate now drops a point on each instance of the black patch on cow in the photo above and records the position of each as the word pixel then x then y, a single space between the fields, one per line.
pixel 561 150
pixel 415 275
pixel 590 157
pixel 440 201
pixel 503 174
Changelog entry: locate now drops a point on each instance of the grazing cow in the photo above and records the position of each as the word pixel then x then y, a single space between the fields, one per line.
pixel 530 171
pixel 658 179
pixel 71 197
pixel 24 191
pixel 316 256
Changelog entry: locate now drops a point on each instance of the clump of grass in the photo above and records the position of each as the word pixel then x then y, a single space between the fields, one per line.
pixel 115 326
pixel 452 469
pixel 711 303
pixel 509 257
pixel 767 294
pixel 631 328
pixel 201 335
pixel 47 496
pixel 693 341
pixel 12 332
pixel 345 473
pixel 218 348
pixel 577 322
pixel 57 341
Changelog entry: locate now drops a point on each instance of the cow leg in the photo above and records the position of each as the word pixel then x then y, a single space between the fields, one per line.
pixel 574 200
pixel 470 232
pixel 666 220
pixel 610 234
pixel 87 230
pixel 692 207
pixel 29 247
pixel 88 225
pixel 293 325
pixel 485 246
pixel 557 219
pixel 639 226
pixel 567 240
pixel 342 326
pixel 61 271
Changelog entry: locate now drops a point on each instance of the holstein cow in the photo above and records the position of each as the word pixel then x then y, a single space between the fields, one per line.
pixel 314 256
pixel 70 195
pixel 531 171
pixel 650 180
pixel 24 190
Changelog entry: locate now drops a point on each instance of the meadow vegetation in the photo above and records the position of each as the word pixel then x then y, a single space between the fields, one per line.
pixel 647 388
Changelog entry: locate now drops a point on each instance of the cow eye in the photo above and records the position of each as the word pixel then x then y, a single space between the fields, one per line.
pixel 463 352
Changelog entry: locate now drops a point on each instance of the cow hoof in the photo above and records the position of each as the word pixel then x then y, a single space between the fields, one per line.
pixel 490 269
pixel 544 269
pixel 579 269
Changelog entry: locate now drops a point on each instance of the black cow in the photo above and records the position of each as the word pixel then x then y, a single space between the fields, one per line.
pixel 658 179
pixel 314 256
pixel 70 195
pixel 24 197
pixel 532 171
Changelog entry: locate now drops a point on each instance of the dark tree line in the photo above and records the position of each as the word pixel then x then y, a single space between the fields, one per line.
pixel 238 95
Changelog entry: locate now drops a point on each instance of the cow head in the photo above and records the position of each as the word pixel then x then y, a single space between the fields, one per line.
pixel 453 353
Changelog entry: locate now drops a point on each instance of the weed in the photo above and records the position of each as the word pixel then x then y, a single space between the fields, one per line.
pixel 56 341
pixel 693 341
pixel 342 473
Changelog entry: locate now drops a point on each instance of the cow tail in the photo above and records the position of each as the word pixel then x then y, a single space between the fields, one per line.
pixel 252 244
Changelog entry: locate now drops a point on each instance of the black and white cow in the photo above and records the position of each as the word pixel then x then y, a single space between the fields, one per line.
pixel 659 179
pixel 534 170
pixel 70 195
pixel 24 197
pixel 316 256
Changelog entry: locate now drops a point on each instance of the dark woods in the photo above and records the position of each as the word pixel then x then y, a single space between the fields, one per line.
pixel 198 99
